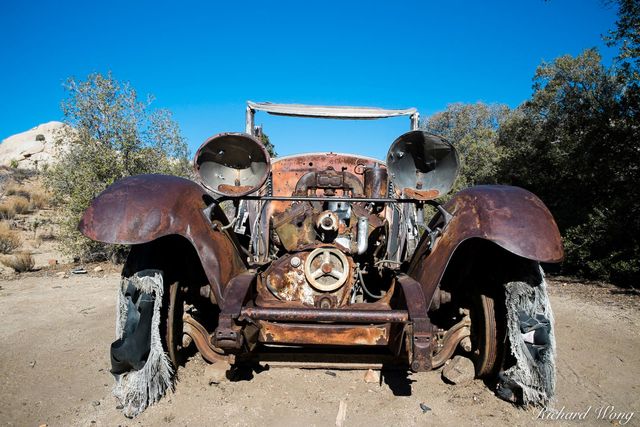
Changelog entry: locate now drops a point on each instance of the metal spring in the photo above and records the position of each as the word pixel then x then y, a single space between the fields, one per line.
pixel 270 185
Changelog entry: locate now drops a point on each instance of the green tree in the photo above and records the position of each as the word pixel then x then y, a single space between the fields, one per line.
pixel 112 134
pixel 575 144
pixel 626 37
pixel 473 130
pixel 264 138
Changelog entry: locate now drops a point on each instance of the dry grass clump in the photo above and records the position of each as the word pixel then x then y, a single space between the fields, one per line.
pixel 19 204
pixel 38 200
pixel 47 234
pixel 13 205
pixel 9 239
pixel 16 190
pixel 20 262
pixel 31 192
pixel 7 211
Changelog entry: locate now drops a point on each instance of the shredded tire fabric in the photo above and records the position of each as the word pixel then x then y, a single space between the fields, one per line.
pixel 532 379
pixel 135 390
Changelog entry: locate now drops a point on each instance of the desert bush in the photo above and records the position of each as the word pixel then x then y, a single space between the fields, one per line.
pixel 20 262
pixel 112 135
pixel 9 239
pixel 473 130
pixel 17 174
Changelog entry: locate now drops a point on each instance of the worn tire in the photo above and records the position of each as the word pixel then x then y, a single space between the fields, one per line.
pixel 130 351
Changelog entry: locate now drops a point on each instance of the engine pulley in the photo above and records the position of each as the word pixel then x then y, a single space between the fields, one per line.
pixel 326 269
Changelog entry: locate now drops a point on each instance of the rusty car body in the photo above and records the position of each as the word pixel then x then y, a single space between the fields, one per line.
pixel 325 259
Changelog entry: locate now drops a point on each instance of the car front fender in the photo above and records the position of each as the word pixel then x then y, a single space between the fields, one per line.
pixel 511 217
pixel 142 208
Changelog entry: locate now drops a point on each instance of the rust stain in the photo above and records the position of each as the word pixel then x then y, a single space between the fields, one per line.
pixel 234 189
pixel 421 194
pixel 374 335
pixel 288 171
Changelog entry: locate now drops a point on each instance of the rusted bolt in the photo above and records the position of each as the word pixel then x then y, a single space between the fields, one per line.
pixel 327 268
pixel 295 262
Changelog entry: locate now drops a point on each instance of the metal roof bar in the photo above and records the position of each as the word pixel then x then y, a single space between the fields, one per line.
pixel 326 112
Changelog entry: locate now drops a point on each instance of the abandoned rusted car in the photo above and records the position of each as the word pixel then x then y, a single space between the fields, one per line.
pixel 326 259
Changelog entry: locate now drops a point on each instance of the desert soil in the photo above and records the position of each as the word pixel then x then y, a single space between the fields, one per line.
pixel 54 369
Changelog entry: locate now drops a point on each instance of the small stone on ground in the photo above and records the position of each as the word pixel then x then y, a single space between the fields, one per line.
pixel 371 376
pixel 217 372
pixel 459 370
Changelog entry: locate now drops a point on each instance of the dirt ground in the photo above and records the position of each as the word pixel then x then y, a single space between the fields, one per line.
pixel 54 369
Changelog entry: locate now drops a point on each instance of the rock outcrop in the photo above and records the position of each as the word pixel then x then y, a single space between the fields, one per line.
pixel 34 148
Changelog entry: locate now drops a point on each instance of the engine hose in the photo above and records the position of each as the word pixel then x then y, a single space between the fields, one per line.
pixel 364 287
pixel 233 221
pixel 387 261
pixel 363 230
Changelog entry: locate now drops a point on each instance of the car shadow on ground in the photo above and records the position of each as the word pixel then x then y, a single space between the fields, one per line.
pixel 245 371
pixel 397 380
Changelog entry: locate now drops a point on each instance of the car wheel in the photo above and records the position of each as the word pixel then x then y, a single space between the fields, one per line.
pixel 172 319
pixel 487 335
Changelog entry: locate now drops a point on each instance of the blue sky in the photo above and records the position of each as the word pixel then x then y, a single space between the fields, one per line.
pixel 203 60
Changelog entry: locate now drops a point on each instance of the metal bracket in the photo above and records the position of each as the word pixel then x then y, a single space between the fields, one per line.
pixel 446 216
pixel 420 333
pixel 228 334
